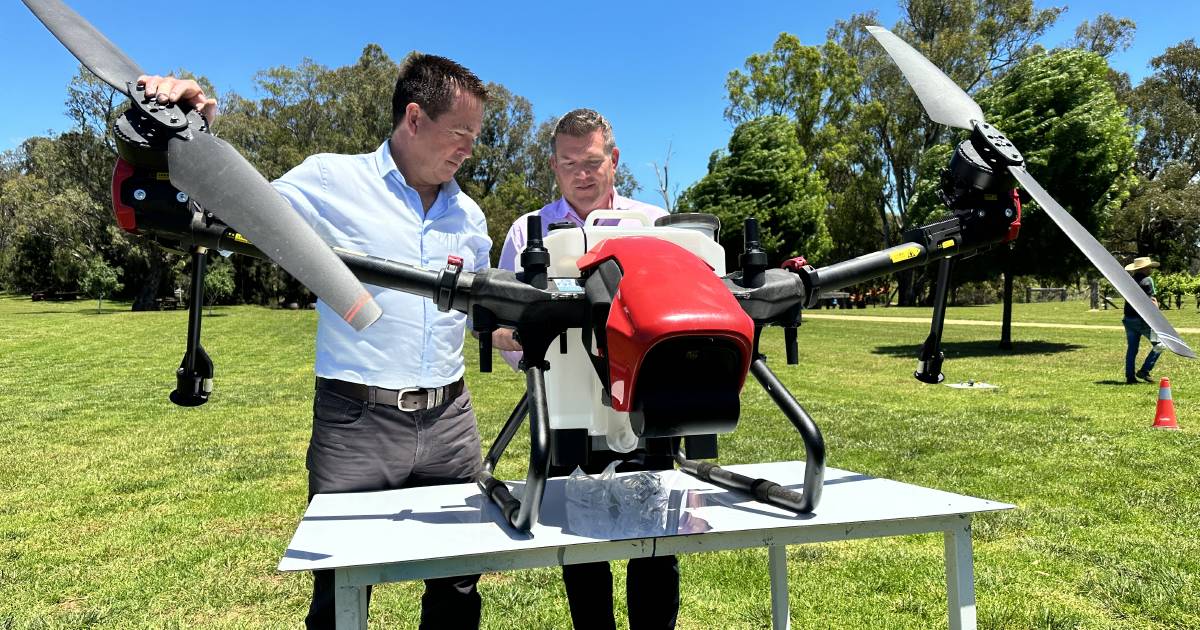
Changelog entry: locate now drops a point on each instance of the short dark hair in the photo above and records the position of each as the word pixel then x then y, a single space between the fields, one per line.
pixel 582 122
pixel 431 82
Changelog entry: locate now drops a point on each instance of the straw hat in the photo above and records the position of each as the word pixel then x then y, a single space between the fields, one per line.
pixel 1140 263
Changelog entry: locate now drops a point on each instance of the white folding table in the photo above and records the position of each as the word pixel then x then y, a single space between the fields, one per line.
pixel 417 533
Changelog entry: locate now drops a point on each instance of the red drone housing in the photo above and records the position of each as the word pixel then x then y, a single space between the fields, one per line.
pixel 678 344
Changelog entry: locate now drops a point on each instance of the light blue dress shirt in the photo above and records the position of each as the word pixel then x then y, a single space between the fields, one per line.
pixel 362 203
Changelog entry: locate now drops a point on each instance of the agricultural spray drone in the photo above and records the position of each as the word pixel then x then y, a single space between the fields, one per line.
pixel 670 342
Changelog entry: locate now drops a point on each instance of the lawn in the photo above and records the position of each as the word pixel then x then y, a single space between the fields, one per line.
pixel 121 510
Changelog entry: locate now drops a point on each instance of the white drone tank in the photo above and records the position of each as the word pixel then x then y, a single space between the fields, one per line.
pixel 572 390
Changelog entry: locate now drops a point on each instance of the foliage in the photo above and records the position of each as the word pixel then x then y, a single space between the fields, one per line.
pixel 1167 106
pixel 100 280
pixel 1172 287
pixel 1105 36
pixel 815 86
pixel 767 175
pixel 1161 219
pixel 46 239
pixel 218 280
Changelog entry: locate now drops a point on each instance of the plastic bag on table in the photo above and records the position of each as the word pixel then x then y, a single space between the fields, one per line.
pixel 612 506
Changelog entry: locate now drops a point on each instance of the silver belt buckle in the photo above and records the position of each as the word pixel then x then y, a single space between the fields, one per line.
pixel 400 399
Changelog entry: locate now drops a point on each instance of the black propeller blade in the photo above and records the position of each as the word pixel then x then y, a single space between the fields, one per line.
pixel 948 104
pixel 221 178
pixel 214 174
pixel 88 45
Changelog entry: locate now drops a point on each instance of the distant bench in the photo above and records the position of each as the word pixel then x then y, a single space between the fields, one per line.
pixel 834 299
pixel 1045 294
pixel 54 296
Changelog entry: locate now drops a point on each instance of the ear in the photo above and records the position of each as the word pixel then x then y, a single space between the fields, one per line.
pixel 412 114
pixel 616 157
pixel 554 165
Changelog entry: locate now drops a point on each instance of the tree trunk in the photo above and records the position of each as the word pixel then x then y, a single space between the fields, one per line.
pixel 145 296
pixel 906 282
pixel 1094 283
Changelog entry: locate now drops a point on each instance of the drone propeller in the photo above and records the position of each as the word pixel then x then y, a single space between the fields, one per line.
pixel 88 45
pixel 213 173
pixel 948 104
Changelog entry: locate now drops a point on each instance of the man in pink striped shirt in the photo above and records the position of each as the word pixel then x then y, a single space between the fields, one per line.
pixel 584 158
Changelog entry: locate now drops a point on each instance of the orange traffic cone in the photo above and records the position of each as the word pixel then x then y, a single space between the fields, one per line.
pixel 1164 416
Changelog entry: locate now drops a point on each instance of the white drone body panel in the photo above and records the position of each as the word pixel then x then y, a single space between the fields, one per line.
pixel 572 390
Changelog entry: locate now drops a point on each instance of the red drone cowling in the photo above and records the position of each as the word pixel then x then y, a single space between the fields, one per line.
pixel 124 214
pixel 678 343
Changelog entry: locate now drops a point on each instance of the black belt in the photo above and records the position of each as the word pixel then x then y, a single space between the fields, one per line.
pixel 407 399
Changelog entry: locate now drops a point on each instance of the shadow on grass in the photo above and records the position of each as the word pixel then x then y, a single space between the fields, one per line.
pixel 1122 383
pixel 961 349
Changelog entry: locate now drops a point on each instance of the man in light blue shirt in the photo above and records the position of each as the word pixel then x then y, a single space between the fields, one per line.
pixel 391 408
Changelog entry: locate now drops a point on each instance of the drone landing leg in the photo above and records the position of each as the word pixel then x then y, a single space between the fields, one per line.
pixel 506 434
pixel 929 366
pixel 768 491
pixel 193 378
pixel 521 514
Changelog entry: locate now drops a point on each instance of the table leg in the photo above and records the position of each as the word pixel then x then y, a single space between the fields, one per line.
pixel 350 601
pixel 960 577
pixel 777 562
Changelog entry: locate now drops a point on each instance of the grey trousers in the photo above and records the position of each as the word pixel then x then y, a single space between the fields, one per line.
pixel 357 447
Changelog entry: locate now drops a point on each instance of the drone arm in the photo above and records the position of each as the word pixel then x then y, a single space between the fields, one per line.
pixel 866 267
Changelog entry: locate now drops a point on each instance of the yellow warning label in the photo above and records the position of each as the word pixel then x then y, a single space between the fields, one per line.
pixel 163 177
pixel 908 253
pixel 239 238
pixel 947 244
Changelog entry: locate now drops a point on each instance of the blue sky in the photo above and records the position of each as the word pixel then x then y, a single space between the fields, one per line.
pixel 656 69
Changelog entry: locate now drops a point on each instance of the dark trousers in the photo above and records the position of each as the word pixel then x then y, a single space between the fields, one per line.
pixel 1135 329
pixel 651 584
pixel 358 447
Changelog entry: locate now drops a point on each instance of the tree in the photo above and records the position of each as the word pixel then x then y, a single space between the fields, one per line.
pixel 218 281
pixel 100 280
pixel 1167 106
pixel 1105 36
pixel 767 175
pixel 47 243
pixel 815 87
pixel 662 174
pixel 1161 219
pixel 505 145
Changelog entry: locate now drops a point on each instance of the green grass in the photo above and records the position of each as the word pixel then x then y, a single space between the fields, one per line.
pixel 121 510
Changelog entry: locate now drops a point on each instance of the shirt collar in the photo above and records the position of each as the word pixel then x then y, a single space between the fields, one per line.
pixel 386 165
pixel 562 209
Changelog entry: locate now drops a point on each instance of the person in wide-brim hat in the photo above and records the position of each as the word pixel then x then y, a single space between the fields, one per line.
pixel 1138 264
pixel 1136 328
